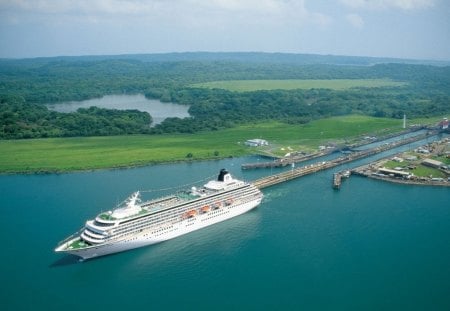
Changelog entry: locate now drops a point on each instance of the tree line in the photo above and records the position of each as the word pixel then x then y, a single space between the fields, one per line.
pixel 25 85
pixel 19 119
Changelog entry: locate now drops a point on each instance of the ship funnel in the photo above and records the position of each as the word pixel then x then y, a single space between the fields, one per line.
pixel 222 174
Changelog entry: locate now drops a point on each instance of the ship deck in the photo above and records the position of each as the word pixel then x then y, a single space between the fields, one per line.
pixel 152 206
pixel 77 244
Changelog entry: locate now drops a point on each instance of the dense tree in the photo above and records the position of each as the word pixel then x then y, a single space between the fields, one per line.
pixel 19 119
pixel 25 85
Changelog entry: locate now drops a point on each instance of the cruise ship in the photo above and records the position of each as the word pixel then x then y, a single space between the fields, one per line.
pixel 135 224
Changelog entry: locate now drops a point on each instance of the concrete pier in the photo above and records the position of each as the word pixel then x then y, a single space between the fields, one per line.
pixel 283 161
pixel 337 179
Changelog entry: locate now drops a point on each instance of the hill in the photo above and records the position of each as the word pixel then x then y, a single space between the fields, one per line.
pixel 243 57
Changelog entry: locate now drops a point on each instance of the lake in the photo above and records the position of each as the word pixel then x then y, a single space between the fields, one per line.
pixel 370 246
pixel 158 110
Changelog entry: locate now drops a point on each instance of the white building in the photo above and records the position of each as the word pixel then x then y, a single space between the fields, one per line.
pixel 397 159
pixel 256 142
pixel 444 124
pixel 432 163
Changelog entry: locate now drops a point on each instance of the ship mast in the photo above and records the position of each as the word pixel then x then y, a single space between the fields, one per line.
pixel 133 199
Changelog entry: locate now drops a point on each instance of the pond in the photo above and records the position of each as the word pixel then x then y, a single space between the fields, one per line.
pixel 158 110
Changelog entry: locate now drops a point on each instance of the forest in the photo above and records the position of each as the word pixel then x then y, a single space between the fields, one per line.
pixel 26 85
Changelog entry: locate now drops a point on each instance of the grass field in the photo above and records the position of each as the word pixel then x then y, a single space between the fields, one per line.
pixel 71 154
pixel 420 170
pixel 334 84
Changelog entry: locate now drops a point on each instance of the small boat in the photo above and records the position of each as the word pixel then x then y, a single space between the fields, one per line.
pixel 346 174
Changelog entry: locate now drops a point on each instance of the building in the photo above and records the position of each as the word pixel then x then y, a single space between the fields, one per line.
pixel 444 124
pixel 256 142
pixel 422 150
pixel 394 173
pixel 411 158
pixel 432 163
pixel 397 159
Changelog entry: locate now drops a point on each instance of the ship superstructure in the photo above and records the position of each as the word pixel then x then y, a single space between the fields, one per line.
pixel 134 223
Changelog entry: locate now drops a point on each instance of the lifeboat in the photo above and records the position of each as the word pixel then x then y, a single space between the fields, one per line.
pixel 217 205
pixel 190 214
pixel 205 209
pixel 229 202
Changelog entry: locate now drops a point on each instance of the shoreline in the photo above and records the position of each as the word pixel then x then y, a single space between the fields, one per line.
pixel 406 182
pixel 404 173
pixel 124 167
pixel 87 154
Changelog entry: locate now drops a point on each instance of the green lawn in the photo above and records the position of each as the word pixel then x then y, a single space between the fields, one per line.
pixel 425 171
pixel 334 84
pixel 420 170
pixel 70 154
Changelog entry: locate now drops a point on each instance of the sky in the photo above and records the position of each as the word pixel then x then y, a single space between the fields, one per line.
pixel 414 29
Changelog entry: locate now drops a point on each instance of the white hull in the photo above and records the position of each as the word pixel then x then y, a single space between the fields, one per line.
pixel 165 231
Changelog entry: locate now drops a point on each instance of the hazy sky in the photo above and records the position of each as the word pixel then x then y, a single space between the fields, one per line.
pixel 393 28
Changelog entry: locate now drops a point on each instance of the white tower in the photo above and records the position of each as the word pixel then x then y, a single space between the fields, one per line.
pixel 404 121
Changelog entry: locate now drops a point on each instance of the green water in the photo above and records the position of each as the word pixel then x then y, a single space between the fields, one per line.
pixel 369 246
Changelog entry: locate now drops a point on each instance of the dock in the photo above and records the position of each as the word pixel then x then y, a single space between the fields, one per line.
pixel 337 180
pixel 271 180
pixel 285 161
pixel 281 162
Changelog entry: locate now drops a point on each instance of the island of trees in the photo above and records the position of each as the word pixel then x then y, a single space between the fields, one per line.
pixel 419 89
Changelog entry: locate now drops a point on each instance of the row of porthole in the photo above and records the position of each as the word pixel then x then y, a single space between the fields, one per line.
pixel 215 215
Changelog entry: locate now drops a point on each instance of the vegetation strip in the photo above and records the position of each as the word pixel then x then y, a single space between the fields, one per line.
pixel 291 84
pixel 291 88
pixel 72 154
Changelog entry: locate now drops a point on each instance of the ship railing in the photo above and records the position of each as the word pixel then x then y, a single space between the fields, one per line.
pixel 160 200
pixel 91 239
pixel 71 237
